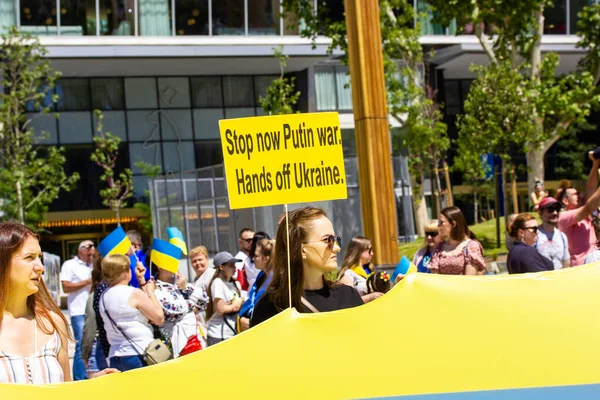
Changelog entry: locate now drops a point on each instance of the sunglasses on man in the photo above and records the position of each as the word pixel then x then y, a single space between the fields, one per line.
pixel 248 240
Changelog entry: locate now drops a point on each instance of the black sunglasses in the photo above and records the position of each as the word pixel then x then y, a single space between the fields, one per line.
pixel 248 240
pixel 331 241
pixel 533 229
pixel 432 234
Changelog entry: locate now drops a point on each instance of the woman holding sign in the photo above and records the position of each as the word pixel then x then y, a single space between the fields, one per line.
pixel 313 252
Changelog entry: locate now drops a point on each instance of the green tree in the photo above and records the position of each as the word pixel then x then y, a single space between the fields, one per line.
pixel 427 141
pixel 31 176
pixel 571 154
pixel 281 94
pixel 497 119
pixel 408 102
pixel 510 31
pixel 118 189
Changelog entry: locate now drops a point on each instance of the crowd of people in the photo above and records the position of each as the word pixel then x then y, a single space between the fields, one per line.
pixel 568 233
pixel 126 312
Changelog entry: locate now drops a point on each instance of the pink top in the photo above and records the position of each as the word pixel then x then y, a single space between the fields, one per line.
pixel 581 235
pixel 455 262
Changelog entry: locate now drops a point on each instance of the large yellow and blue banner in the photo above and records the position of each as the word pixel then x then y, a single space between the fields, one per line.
pixel 432 337
pixel 283 159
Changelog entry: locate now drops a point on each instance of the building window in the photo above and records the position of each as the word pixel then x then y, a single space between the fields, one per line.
pixel 140 93
pixel 555 18
pixel 208 152
pixel 332 88
pixel 108 94
pixel 263 17
pixel 73 94
pixel 238 91
pixel 228 17
pixel 206 92
pixel 155 17
pixel 38 17
pixel 191 17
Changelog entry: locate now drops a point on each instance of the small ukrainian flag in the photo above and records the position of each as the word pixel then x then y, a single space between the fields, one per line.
pixel 176 238
pixel 116 242
pixel 165 255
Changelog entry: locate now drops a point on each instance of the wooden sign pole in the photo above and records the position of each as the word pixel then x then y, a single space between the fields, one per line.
pixel 375 176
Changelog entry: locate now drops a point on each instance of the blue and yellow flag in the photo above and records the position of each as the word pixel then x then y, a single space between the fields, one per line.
pixel 165 255
pixel 176 238
pixel 116 242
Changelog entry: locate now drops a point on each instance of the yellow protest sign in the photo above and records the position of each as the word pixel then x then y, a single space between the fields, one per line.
pixel 283 159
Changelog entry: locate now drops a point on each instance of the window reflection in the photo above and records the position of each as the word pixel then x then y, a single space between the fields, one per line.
pixel 555 22
pixel 191 17
pixel 117 17
pixel 155 17
pixel 263 17
pixel 575 7
pixel 78 17
pixel 39 17
pixel 228 17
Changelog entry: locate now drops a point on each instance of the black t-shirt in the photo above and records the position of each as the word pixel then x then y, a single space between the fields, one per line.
pixel 523 258
pixel 326 299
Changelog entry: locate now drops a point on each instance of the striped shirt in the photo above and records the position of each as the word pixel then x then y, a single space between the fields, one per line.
pixel 39 368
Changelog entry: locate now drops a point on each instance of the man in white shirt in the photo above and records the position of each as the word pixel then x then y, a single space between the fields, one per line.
pixel 76 278
pixel 552 243
pixel 245 243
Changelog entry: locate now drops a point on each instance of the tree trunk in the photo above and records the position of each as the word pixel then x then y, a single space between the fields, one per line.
pixel 475 205
pixel 438 182
pixel 20 202
pixel 421 217
pixel 118 213
pixel 505 189
pixel 535 166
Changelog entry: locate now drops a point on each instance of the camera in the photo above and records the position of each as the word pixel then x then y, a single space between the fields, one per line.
pixel 596 153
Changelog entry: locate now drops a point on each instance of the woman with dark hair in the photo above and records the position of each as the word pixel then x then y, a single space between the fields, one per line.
pixel 524 257
pixel 313 249
pixel 355 268
pixel 459 253
pixel 251 270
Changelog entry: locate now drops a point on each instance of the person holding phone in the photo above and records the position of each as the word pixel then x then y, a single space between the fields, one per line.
pixel 313 248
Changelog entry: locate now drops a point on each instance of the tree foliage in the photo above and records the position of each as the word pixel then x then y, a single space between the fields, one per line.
pixel 31 176
pixel 281 94
pixel 119 188
pixel 517 28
